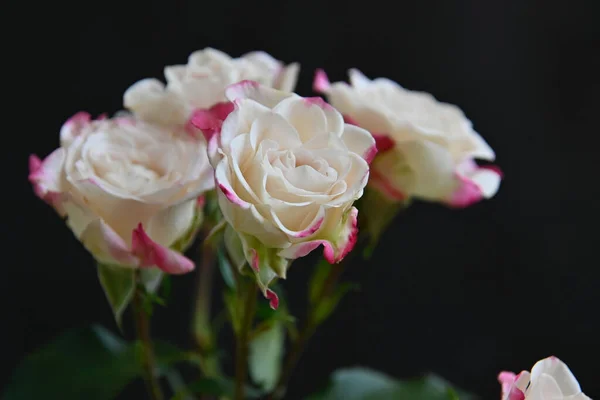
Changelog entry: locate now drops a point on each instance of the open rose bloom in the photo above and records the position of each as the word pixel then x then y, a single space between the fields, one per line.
pixel 549 379
pixel 426 148
pixel 201 83
pixel 131 191
pixel 288 170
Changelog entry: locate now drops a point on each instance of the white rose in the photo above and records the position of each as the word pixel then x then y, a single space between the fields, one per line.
pixel 130 190
pixel 550 378
pixel 201 83
pixel 288 170
pixel 426 148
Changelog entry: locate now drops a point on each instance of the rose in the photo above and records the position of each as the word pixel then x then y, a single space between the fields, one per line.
pixel 426 148
pixel 201 84
pixel 550 378
pixel 287 170
pixel 129 190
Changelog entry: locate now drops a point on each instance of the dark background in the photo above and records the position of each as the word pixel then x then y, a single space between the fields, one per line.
pixel 464 293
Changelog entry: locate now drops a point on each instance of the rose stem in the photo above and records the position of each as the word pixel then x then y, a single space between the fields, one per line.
pixel 241 353
pixel 202 329
pixel 142 327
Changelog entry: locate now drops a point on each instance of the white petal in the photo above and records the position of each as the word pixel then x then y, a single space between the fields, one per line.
pixel 170 224
pixel 286 81
pixel 150 101
pixel 359 141
pixel 272 126
pixel 559 371
pixel 264 95
pixel 240 120
pixel 308 118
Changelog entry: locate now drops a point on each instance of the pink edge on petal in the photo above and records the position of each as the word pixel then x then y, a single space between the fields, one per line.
pixel 349 120
pixel 383 142
pixel 232 197
pixel 206 121
pixel 506 379
pixel 36 177
pixel 494 168
pixel 102 117
pixel 78 120
pixel 317 101
pixel 151 254
pixel 310 230
pixel 515 394
pixel 370 154
pixel 321 82
pixel 239 89
pixel 255 260
pixel 378 181
pixel 273 299
pixel 468 193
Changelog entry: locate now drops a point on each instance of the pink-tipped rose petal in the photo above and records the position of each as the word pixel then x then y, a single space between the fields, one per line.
pixel 106 245
pixel 45 178
pixel 383 142
pixel 73 127
pixel 273 299
pixel 210 121
pixel 321 83
pixel 151 254
pixel 506 379
pixel 382 184
pixel 333 252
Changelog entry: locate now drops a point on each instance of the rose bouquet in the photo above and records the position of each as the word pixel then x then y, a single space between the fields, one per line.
pixel 226 157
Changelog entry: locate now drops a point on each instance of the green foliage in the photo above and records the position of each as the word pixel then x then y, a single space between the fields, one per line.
pixel 366 384
pixel 329 303
pixel 119 285
pixel 266 355
pixel 88 363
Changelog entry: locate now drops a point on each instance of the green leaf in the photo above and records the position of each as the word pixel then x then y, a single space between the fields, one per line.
pixel 119 285
pixel 89 363
pixel 225 268
pixel 328 304
pixel 266 355
pixel 366 384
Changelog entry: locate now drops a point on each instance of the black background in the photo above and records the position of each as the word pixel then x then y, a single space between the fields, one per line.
pixel 462 293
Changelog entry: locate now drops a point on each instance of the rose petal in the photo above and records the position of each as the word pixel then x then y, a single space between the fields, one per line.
pixel 334 251
pixel 287 78
pixel 46 178
pixel 152 254
pixel 272 126
pixel 170 224
pixel 559 371
pixel 360 141
pixel 73 127
pixel 506 379
pixel 106 245
pixel 152 102
pixel 252 90
pixel 308 118
pixel 321 83
pixel 273 299
pixel 240 120
pixel 210 121
pixel 382 184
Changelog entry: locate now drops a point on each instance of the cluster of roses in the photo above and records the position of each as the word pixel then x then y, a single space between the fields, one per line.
pixel 286 170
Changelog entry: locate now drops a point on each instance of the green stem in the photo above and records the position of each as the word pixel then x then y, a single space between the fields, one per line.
pixel 202 321
pixel 307 331
pixel 142 325
pixel 242 340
